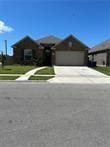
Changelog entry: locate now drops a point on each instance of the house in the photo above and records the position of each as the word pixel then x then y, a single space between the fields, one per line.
pixel 101 53
pixel 52 50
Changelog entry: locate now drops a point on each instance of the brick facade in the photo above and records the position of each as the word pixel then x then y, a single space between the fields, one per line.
pixel 76 46
pixel 38 49
pixel 18 51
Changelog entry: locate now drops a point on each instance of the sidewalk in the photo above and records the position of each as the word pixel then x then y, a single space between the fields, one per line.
pixel 30 73
pixel 4 75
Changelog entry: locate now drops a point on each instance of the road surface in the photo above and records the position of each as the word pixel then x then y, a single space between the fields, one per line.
pixel 54 115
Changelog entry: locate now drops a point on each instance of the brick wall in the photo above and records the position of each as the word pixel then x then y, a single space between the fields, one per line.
pixel 18 51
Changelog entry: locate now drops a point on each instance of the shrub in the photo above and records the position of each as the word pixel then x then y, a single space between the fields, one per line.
pixel 37 61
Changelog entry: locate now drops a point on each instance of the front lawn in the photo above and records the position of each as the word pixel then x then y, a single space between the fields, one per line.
pixel 40 77
pixel 15 69
pixel 105 70
pixel 8 77
pixel 46 71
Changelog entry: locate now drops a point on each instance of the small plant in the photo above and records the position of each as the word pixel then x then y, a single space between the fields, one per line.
pixel 37 61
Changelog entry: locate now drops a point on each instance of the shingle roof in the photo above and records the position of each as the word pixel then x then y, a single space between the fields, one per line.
pixel 26 37
pixel 49 40
pixel 102 46
pixel 75 39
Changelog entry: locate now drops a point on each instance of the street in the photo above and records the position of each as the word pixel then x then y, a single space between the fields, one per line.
pixel 40 114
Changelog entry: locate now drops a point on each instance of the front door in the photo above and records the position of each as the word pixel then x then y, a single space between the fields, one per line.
pixel 47 56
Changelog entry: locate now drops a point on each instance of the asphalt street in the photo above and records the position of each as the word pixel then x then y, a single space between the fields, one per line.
pixel 54 115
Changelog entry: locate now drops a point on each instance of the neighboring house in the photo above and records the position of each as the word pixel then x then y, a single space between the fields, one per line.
pixel 52 50
pixel 101 53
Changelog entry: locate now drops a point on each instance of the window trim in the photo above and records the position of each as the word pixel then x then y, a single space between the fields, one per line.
pixel 27 54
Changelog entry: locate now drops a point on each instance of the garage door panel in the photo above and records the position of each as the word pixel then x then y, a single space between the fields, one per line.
pixel 69 57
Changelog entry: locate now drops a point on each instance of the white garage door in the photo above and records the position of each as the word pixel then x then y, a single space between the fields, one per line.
pixel 69 57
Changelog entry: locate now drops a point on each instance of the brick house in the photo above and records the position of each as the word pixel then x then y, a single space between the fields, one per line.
pixel 101 53
pixel 52 50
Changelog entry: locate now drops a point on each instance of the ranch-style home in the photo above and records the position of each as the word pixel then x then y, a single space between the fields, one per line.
pixel 52 51
pixel 101 53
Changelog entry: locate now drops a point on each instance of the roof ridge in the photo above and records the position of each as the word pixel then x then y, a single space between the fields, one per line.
pixel 48 37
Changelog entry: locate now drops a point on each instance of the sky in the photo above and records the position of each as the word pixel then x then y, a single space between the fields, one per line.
pixel 88 20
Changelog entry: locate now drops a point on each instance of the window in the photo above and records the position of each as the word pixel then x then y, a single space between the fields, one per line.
pixel 70 44
pixel 27 54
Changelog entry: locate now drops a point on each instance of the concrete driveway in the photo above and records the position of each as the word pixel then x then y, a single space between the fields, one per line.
pixel 77 74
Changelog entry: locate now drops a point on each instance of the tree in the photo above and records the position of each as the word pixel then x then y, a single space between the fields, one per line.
pixel 3 59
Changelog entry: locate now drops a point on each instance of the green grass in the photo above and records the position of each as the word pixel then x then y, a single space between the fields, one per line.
pixel 15 69
pixel 8 77
pixel 105 70
pixel 46 71
pixel 40 77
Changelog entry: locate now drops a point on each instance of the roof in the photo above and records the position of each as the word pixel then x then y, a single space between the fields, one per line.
pixel 100 47
pixel 49 40
pixel 26 37
pixel 75 39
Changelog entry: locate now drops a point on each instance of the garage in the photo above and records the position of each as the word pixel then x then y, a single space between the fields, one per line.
pixel 70 58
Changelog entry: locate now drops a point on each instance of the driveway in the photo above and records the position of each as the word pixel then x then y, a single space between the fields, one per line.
pixel 77 74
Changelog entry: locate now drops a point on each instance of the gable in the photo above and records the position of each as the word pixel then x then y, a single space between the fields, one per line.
pixel 25 42
pixel 71 43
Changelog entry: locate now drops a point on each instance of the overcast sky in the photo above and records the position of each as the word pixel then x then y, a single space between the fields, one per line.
pixel 88 20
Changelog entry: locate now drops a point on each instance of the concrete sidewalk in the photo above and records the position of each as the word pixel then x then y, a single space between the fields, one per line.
pixel 29 74
pixel 4 75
